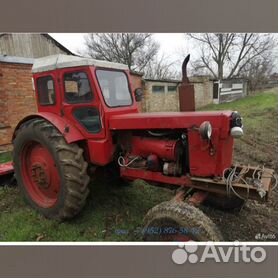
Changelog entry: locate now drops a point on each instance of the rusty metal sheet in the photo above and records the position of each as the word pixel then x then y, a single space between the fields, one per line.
pixel 187 97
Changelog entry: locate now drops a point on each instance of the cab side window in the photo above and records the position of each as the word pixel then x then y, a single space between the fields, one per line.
pixel 77 87
pixel 46 91
pixel 88 117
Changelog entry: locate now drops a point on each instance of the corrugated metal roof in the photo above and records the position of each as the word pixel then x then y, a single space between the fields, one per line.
pixel 59 45
pixel 64 61
pixel 16 60
pixel 163 80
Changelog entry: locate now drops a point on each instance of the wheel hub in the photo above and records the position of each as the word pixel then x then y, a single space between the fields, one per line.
pixel 39 175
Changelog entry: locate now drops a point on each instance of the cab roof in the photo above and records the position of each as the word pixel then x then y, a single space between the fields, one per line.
pixel 65 61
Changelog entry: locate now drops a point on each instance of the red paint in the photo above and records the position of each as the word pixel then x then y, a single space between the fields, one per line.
pixel 133 174
pixel 100 147
pixel 165 149
pixel 101 152
pixel 169 120
pixel 187 97
pixel 68 129
pixel 40 174
pixel 202 162
pixel 206 158
pixel 6 168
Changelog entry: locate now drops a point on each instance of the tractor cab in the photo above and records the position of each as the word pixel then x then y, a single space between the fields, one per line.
pixel 83 90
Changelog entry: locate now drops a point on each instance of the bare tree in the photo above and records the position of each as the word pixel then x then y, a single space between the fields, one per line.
pixel 161 69
pixel 228 54
pixel 135 50
pixel 258 72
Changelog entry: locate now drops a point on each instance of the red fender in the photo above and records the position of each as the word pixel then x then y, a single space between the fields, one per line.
pixel 70 132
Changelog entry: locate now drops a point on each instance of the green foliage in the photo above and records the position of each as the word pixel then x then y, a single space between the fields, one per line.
pixel 5 157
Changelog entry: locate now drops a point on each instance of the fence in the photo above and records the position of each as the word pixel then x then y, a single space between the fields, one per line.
pixel 229 90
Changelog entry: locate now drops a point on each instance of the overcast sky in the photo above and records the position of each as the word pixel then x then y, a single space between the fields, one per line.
pixel 172 45
pixel 170 42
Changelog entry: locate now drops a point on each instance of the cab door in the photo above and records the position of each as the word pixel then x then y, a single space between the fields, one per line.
pixel 80 103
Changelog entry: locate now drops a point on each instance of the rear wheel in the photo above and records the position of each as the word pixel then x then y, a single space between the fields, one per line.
pixel 51 173
pixel 178 221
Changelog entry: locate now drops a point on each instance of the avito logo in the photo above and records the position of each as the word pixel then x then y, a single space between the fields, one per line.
pixel 243 253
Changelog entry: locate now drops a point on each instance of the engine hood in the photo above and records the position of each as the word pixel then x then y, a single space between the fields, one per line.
pixel 169 120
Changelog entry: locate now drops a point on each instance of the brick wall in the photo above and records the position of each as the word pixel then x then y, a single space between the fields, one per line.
pixel 203 88
pixel 16 98
pixel 169 100
pixel 160 101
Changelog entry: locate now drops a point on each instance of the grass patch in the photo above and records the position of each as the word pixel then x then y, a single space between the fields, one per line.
pixel 255 110
pixel 5 157
pixel 261 101
pixel 113 213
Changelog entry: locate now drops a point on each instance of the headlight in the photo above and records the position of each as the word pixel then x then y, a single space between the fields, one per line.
pixel 236 125
pixel 236 132
pixel 205 130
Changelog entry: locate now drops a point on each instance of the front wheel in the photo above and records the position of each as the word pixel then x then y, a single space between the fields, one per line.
pixel 178 221
pixel 51 173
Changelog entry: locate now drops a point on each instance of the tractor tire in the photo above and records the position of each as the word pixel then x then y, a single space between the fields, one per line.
pixel 224 202
pixel 51 173
pixel 179 221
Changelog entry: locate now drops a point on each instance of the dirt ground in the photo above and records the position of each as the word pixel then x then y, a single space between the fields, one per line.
pixel 254 222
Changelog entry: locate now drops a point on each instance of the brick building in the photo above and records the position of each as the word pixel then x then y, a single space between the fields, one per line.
pixel 17 97
pixel 163 95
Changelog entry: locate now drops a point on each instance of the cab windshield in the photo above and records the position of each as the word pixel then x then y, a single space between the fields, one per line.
pixel 114 87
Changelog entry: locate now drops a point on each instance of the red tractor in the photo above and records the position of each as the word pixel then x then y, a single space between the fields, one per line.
pixel 88 118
